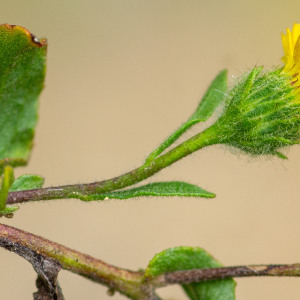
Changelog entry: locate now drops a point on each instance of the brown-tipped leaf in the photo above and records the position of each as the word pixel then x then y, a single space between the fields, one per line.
pixel 22 73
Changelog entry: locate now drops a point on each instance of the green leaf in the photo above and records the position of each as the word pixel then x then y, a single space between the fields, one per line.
pixel 188 258
pixel 158 189
pixel 213 97
pixel 8 211
pixel 27 182
pixel 22 73
pixel 280 155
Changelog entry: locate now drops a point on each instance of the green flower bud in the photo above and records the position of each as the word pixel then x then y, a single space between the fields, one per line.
pixel 261 114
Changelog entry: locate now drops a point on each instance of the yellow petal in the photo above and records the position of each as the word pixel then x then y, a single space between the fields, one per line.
pixel 297 52
pixel 291 48
pixel 295 33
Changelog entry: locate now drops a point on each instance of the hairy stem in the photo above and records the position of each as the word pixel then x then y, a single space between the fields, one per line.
pixel 205 138
pixel 35 248
pixel 38 250
pixel 198 275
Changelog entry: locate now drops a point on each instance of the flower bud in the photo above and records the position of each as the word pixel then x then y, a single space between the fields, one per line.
pixel 262 113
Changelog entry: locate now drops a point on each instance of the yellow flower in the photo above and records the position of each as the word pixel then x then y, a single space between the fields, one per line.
pixel 291 47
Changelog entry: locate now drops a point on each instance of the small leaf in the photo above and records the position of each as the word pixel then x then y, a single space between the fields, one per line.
pixel 27 182
pixel 22 73
pixel 280 155
pixel 188 258
pixel 158 189
pixel 211 100
pixel 8 211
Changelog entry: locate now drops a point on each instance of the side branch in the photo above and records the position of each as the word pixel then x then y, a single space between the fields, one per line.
pixel 198 275
pixel 40 251
pixel 80 191
pixel 47 258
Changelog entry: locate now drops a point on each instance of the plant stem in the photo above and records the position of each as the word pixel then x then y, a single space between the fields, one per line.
pixel 203 139
pixel 170 140
pixel 199 275
pixel 26 244
pixel 130 283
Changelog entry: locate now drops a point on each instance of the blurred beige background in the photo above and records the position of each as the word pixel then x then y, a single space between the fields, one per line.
pixel 121 76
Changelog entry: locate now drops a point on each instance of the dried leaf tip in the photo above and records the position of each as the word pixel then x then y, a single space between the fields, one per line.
pixel 42 42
